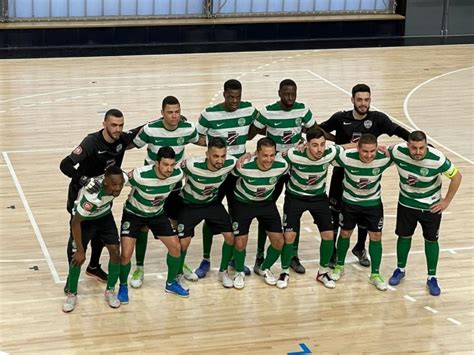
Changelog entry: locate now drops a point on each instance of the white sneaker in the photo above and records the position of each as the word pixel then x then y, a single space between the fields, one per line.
pixel 378 281
pixel 69 303
pixel 337 272
pixel 181 280
pixel 137 278
pixel 225 278
pixel 283 280
pixel 189 274
pixel 111 298
pixel 326 280
pixel 269 277
pixel 239 280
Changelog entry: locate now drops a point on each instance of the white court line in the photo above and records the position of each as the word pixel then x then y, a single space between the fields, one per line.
pixel 405 109
pixel 432 310
pixel 41 242
pixel 409 298
pixel 21 261
pixel 452 320
pixel 391 117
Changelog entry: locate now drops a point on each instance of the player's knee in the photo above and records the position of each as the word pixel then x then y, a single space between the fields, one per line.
pixel 239 243
pixel 375 236
pixel 229 238
pixel 327 235
pixel 431 238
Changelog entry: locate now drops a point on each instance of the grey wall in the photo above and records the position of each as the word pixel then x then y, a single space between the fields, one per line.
pixel 424 17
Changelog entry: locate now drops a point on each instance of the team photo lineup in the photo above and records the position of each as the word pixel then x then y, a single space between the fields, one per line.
pixel 230 186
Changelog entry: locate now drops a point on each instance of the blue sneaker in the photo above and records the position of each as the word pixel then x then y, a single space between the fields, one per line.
pixel 176 289
pixel 433 286
pixel 397 276
pixel 203 268
pixel 123 294
pixel 246 268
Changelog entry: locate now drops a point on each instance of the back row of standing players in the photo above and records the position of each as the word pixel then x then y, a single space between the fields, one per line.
pixel 257 182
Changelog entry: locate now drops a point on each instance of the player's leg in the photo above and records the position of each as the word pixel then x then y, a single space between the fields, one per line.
pixel 347 221
pixel 109 235
pixel 242 215
pixel 430 223
pixel 359 249
pixel 335 202
pixel 407 219
pixel 189 217
pixel 138 274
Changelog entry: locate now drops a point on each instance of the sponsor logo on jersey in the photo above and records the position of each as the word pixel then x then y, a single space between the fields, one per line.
pixel 355 137
pixel 411 180
pixel 312 179
pixel 363 183
pixel 157 200
pixel 208 190
pixel 77 150
pixel 109 163
pixel 232 137
pixel 367 124
pixel 287 136
pixel 260 192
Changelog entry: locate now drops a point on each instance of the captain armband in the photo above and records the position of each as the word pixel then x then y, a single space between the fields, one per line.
pixel 451 172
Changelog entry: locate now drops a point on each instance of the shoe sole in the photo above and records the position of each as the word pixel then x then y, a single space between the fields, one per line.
pixel 281 287
pixel 139 286
pixel 123 302
pixel 239 288
pixel 380 289
pixel 394 283
pixel 177 294
pixel 329 287
pixel 96 277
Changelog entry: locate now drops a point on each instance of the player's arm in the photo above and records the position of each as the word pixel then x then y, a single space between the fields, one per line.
pixel 254 130
pixel 455 176
pixel 201 140
pixel 79 256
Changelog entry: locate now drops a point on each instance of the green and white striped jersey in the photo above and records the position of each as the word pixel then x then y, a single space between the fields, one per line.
pixel 284 127
pixel 233 127
pixel 255 185
pixel 96 205
pixel 149 192
pixel 155 135
pixel 361 184
pixel 420 180
pixel 202 184
pixel 308 177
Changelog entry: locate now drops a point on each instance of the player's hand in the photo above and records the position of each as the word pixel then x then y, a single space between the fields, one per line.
pixel 440 206
pixel 92 185
pixel 243 159
pixel 384 150
pixel 301 146
pixel 78 258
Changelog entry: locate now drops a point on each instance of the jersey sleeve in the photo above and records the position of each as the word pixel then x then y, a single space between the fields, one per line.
pixel 260 121
pixel 308 119
pixel 86 206
pixel 194 137
pixel 448 169
pixel 202 125
pixel 331 124
pixel 338 159
pixel 387 125
pixel 82 151
pixel 130 135
pixel 131 181
pixel 143 137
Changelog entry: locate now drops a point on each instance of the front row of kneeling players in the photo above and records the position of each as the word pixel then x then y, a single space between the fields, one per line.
pixel 255 178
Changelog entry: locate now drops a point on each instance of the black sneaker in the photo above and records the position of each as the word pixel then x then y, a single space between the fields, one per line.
pixel 258 263
pixel 97 273
pixel 362 256
pixel 296 265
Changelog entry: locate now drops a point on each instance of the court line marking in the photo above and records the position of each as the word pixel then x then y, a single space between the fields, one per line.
pixel 391 117
pixel 452 320
pixel 31 217
pixel 412 122
pixel 432 310
pixel 21 260
pixel 409 298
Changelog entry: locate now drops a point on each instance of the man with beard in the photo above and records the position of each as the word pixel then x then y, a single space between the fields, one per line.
pixel 420 168
pixel 349 127
pixel 96 152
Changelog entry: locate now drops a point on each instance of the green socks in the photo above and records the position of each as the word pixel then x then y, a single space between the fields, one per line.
pixel 227 251
pixel 207 237
pixel 403 248
pixel 342 247
pixel 173 263
pixel 262 238
pixel 286 255
pixel 124 271
pixel 73 278
pixel 272 256
pixel 375 252
pixel 432 255
pixel 296 243
pixel 140 247
pixel 326 249
pixel 114 272
pixel 181 263
pixel 239 257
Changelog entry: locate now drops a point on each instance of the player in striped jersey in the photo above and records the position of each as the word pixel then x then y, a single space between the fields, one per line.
pixel 204 176
pixel 144 208
pixel 230 120
pixel 283 122
pixel 306 191
pixel 420 168
pixel 256 182
pixel 92 218
pixel 362 203
pixel 172 130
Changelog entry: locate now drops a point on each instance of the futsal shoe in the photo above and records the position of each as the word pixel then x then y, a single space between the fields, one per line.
pixel 176 289
pixel 111 298
pixel 137 277
pixel 123 294
pixel 326 280
pixel 295 264
pixel 203 268
pixel 69 303
pixel 378 281
pixel 283 280
pixel 97 273
pixel 432 285
pixel 239 280
pixel 225 279
pixel 397 276
pixel 337 272
pixel 246 268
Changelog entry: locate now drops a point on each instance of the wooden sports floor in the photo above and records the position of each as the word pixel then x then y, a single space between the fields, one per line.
pixel 48 105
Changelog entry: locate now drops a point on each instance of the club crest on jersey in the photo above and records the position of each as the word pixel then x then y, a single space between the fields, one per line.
pixel 119 148
pixel 298 121
pixel 77 150
pixel 375 171
pixel 272 180
pixel 368 124
pixel 180 227
pixel 180 141
pixel 325 166
pixel 424 171
pixel 241 121
pixel 87 206
pixel 126 226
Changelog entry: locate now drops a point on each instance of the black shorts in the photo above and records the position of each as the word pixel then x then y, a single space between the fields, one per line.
pixel 335 189
pixel 173 204
pixel 266 213
pixel 103 228
pixel 227 188
pixel 370 217
pixel 214 214
pixel 294 208
pixel 131 224
pixel 407 219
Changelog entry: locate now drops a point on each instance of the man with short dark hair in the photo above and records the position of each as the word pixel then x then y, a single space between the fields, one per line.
pixel 92 156
pixel 349 126
pixel 420 201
